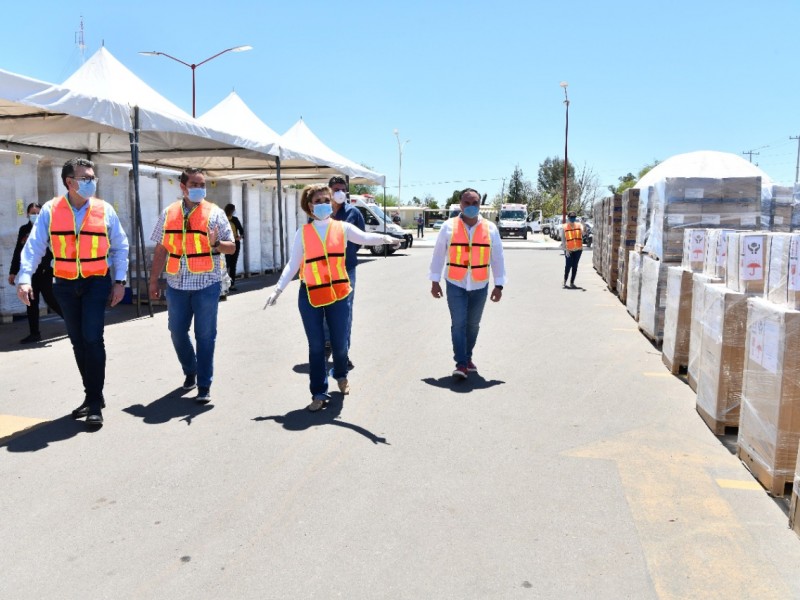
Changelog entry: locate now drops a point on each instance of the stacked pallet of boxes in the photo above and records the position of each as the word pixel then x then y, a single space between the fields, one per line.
pixel 678 203
pixel 780 210
pixel 769 426
pixel 599 235
pixel 794 504
pixel 627 239
pixel 611 242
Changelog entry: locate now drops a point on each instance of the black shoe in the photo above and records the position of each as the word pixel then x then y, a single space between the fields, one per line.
pixel 83 410
pixel 190 382
pixel 564 285
pixel 572 286
pixel 232 289
pixel 32 338
pixel 95 419
pixel 203 395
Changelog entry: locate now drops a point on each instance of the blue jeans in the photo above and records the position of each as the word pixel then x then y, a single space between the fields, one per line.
pixel 571 264
pixel 83 304
pixel 182 305
pixel 314 319
pixel 466 309
pixel 351 274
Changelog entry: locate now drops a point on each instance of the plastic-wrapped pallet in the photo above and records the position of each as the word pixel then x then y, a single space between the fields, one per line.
pixel 634 283
pixel 677 319
pixel 699 283
pixel 653 298
pixel 716 259
pixel 783 269
pixel 769 424
pixel 719 381
pixel 794 504
pixel 746 262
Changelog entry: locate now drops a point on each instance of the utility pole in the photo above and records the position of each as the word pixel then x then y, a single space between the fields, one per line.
pixel 797 164
pixel 503 192
pixel 80 42
pixel 750 154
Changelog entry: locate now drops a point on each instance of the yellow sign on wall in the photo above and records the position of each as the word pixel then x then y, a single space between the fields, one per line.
pixel 20 207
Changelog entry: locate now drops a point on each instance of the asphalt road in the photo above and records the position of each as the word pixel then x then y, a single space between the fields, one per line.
pixel 572 466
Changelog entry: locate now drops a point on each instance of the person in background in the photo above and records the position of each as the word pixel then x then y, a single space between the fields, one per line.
pixel 318 253
pixel 90 263
pixel 344 211
pixel 238 236
pixel 572 244
pixel 420 226
pixel 188 235
pixel 469 247
pixel 41 280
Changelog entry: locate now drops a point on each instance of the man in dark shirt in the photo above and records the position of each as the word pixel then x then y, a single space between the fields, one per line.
pixel 344 211
pixel 41 282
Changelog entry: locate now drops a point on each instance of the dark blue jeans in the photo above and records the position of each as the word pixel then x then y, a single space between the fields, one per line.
pixel 466 309
pixel 83 304
pixel 200 305
pixel 351 274
pixel 572 265
pixel 314 319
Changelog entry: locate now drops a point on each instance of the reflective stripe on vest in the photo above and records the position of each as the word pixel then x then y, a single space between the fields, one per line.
pixel 573 236
pixel 188 237
pixel 324 271
pixel 465 254
pixel 81 253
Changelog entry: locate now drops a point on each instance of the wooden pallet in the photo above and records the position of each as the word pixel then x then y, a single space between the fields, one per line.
pixel 776 485
pixel 675 367
pixel 716 426
pixel 653 340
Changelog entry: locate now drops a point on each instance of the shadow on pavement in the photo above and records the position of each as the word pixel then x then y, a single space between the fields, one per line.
pixel 171 406
pixel 42 436
pixel 302 419
pixel 463 386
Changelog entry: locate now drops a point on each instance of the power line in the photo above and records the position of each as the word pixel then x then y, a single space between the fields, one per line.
pixel 751 153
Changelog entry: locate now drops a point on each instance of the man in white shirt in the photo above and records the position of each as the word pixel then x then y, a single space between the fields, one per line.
pixel 467 248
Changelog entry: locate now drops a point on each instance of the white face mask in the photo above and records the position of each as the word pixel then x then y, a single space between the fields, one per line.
pixel 32 218
pixel 339 197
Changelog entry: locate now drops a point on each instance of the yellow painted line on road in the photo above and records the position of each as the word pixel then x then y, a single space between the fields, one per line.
pixel 657 374
pixel 11 426
pixel 738 484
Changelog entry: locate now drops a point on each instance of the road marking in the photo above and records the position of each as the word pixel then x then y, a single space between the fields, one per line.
pixel 738 484
pixel 11 426
pixel 688 532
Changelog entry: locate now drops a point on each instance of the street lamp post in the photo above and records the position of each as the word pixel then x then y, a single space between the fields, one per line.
pixel 564 85
pixel 194 66
pixel 400 165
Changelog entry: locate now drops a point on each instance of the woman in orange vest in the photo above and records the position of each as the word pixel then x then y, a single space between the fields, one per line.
pixel 319 254
pixel 572 243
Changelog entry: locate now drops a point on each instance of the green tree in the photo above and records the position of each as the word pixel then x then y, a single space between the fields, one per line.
pixel 551 176
pixel 517 189
pixel 430 202
pixel 629 180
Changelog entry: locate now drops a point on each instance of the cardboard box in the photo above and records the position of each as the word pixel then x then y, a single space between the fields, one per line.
pixel 699 282
pixel 746 262
pixel 781 269
pixel 716 260
pixel 794 504
pixel 719 381
pixel 653 301
pixel 694 249
pixel 677 319
pixel 634 283
pixel 769 425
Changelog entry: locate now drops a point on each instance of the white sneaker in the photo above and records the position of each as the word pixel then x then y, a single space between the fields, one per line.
pixel 317 404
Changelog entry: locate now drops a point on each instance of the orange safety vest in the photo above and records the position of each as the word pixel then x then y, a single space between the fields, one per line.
pixel 573 236
pixel 188 236
pixel 469 254
pixel 324 271
pixel 81 253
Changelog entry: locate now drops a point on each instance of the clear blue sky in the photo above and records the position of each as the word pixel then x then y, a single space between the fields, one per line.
pixel 473 85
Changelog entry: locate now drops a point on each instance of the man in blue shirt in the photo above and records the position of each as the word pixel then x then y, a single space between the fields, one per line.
pixel 344 211
pixel 83 283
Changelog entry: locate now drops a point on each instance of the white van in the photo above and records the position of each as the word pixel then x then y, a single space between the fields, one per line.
pixel 535 221
pixel 377 221
pixel 511 220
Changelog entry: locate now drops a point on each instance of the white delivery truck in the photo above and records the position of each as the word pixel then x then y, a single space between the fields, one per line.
pixel 535 222
pixel 511 220
pixel 377 221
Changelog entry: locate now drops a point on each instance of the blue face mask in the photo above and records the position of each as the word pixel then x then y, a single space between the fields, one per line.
pixel 471 211
pixel 196 194
pixel 322 211
pixel 32 218
pixel 87 189
pixel 571 219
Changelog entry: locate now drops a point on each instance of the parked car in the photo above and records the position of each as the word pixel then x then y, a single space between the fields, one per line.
pixel 437 224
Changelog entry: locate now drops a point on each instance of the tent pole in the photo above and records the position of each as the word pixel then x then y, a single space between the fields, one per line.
pixel 141 263
pixel 280 209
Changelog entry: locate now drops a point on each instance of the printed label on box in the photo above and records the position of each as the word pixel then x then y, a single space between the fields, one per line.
pixel 697 246
pixel 748 220
pixel 751 264
pixel 756 352
pixel 722 248
pixel 711 219
pixel 794 264
pixel 693 193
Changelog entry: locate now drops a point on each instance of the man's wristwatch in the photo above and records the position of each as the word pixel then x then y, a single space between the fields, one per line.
pixel 499 287
pixel 216 244
pixel 120 281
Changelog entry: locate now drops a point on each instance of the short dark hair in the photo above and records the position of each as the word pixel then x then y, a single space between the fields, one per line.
pixel 336 179
pixel 229 209
pixel 572 214
pixel 189 171
pixel 68 170
pixel 474 191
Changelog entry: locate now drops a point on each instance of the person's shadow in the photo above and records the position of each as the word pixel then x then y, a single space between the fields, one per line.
pixel 45 434
pixel 302 419
pixel 463 386
pixel 171 406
